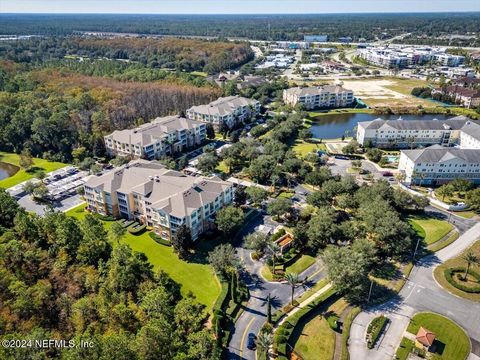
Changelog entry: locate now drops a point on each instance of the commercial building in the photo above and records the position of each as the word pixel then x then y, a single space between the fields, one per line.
pixel 327 96
pixel 436 165
pixel 158 197
pixel 162 136
pixel 229 110
pixel 315 38
pixel 410 133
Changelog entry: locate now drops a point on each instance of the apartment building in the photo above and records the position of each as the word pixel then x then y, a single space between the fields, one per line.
pixel 410 133
pixel 327 96
pixel 469 98
pixel 158 197
pixel 230 110
pixel 391 57
pixel 436 165
pixel 162 136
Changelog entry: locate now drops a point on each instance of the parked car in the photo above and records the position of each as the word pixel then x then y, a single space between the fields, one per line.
pixel 251 344
pixel 387 173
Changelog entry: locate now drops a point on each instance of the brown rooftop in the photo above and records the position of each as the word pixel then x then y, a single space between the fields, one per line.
pixel 425 337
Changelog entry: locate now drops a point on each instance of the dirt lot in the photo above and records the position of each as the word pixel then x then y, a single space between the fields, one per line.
pixel 387 92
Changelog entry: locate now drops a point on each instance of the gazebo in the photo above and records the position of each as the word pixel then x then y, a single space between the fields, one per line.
pixel 424 338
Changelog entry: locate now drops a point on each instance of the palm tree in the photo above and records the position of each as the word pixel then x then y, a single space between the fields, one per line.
pixel 293 280
pixel 264 341
pixel 470 258
pixel 274 252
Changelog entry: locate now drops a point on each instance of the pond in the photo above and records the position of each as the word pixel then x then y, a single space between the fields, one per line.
pixel 336 125
pixel 7 170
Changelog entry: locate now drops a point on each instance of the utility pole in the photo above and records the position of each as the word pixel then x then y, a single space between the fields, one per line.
pixel 416 247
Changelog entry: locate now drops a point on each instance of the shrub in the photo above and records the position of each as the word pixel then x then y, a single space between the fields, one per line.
pixel 374 330
pixel 159 240
pixel 137 229
pixel 104 217
pixel 449 275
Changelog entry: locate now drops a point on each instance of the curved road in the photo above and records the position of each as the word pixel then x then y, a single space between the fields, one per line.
pixel 421 293
pixel 255 314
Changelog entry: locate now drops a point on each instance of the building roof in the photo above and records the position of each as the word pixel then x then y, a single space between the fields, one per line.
pixel 438 153
pixel 459 90
pixel 425 337
pixel 170 191
pixel 150 132
pixel 316 90
pixel 472 129
pixel 254 81
pixel 455 123
pixel 223 106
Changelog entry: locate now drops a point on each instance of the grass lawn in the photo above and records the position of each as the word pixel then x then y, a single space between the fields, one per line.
pixel 316 339
pixel 429 228
pixel 22 175
pixel 222 167
pixel 195 277
pixel 405 348
pixel 303 148
pixel 451 342
pixel 458 262
pixel 303 263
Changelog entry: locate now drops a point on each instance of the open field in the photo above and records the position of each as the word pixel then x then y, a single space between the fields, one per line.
pixel 302 148
pixel 195 277
pixel 430 229
pixel 387 91
pixel 22 175
pixel 451 342
pixel 458 262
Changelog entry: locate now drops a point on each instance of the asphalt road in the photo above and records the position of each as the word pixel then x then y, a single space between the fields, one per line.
pixel 420 293
pixel 255 314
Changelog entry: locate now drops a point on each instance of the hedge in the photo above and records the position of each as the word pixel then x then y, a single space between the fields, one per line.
pixel 449 276
pixel 222 300
pixel 104 217
pixel 159 240
pixel 282 335
pixel 136 229
pixel 374 329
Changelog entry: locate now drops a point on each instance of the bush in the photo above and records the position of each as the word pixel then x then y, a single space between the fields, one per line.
pixel 104 217
pixel 449 275
pixel 278 235
pixel 137 229
pixel 374 154
pixel 159 240
pixel 374 330
pixel 222 300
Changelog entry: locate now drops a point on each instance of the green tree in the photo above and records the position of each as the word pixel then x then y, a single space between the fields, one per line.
pixel 445 191
pixel 208 163
pixel 256 194
pixel 222 258
pixel 264 341
pixel 274 252
pixel 229 219
pixel 293 280
pixel 116 232
pixel 257 242
pixel 26 159
pixel 472 198
pixel 279 207
pixel 471 259
pixel 182 241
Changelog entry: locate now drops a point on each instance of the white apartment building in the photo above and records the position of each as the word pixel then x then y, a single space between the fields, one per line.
pixel 158 197
pixel 230 110
pixel 394 56
pixel 410 133
pixel 162 136
pixel 327 96
pixel 436 165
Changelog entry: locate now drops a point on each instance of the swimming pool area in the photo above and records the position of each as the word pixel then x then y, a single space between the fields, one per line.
pixel 392 158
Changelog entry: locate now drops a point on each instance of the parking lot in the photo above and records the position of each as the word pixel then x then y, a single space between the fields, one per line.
pixel 62 185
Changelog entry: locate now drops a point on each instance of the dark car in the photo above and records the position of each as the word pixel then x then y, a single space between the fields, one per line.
pixel 251 344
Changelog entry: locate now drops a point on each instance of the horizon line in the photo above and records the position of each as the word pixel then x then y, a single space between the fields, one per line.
pixel 291 13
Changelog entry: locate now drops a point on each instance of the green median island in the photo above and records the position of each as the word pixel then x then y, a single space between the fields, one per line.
pixel 195 276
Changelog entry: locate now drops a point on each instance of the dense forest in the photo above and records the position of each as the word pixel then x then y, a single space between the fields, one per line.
pixel 60 278
pixel 170 53
pixel 50 111
pixel 262 27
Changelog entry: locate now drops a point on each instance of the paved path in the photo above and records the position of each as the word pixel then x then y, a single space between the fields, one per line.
pixel 420 293
pixel 254 316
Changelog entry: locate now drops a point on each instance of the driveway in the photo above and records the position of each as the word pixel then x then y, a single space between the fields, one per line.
pixel 255 314
pixel 420 293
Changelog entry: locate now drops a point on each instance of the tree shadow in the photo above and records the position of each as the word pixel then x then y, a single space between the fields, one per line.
pixel 437 347
pixel 387 272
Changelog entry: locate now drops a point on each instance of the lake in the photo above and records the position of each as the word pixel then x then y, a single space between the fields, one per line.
pixel 7 170
pixel 336 125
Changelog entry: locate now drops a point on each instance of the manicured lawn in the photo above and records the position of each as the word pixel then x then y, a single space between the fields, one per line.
pixel 451 341
pixel 316 340
pixel 429 228
pixel 303 263
pixel 406 346
pixel 458 262
pixel 22 175
pixel 195 277
pixel 303 148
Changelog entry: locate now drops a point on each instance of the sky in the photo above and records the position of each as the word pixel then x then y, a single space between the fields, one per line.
pixel 234 6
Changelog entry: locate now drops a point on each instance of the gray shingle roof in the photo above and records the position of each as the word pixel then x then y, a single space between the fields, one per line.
pixel 223 106
pixel 455 123
pixel 472 129
pixel 437 153
pixel 316 90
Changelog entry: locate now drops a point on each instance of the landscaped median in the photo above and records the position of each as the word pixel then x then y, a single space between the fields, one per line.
pixel 375 329
pixel 450 274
